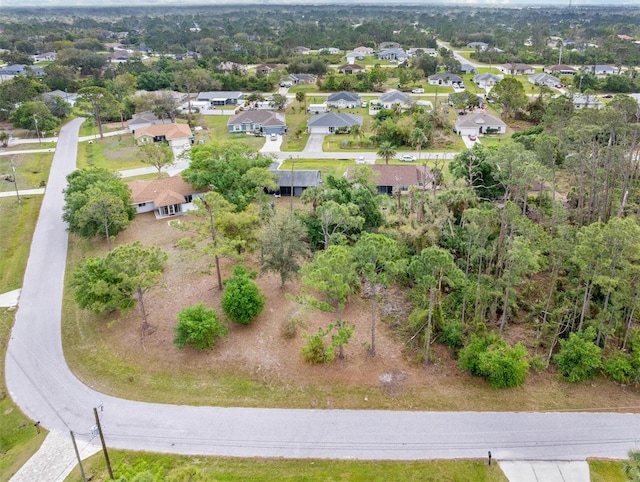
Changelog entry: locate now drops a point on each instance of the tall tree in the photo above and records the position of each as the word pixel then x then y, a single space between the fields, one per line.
pixel 157 154
pixel 386 150
pixel 509 95
pixel 190 80
pixel 100 100
pixel 338 219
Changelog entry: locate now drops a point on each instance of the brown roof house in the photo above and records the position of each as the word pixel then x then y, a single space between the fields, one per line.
pixel 351 68
pixel 169 196
pixel 391 178
pixel 177 135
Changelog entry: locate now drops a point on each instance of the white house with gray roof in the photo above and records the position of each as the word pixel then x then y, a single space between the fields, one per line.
pixel 220 98
pixel 296 181
pixel 332 122
pixel 259 122
pixel 393 97
pixel 479 123
pixel 486 80
pixel 544 79
pixel 445 79
pixel 344 100
pixel 394 54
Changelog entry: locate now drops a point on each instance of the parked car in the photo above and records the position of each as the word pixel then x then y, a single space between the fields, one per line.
pixel 472 137
pixel 417 91
pixel 360 160
pixel 607 96
pixel 364 103
pixel 407 158
pixel 274 137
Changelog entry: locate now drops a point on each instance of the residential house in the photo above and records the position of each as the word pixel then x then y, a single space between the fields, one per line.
pixel 332 122
pixel 487 80
pixel 388 45
pixel 258 122
pixel 329 50
pixel 119 56
pixel 344 100
pixel 45 57
pixel 266 69
pixel 165 197
pixel 353 57
pixel 544 79
pixel 581 101
pixel 481 46
pixel 177 135
pixel 318 108
pixel 302 50
pixel 601 70
pixel 298 79
pixel 517 69
pixel 221 98
pixel 393 97
pixel 364 50
pixel 393 54
pixel 232 68
pixel 560 69
pixel 446 79
pixel 468 69
pixel 22 69
pixel 477 123
pixel 391 178
pixel 143 119
pixel 417 51
pixel 296 181
pixel 69 98
pixel 351 68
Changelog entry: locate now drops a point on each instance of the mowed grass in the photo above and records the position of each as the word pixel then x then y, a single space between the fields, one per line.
pixel 18 437
pixel 606 471
pixel 197 468
pixel 115 153
pixel 334 167
pixel 31 170
pixel 215 129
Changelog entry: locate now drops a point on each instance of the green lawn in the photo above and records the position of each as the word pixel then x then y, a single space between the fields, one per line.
pixel 197 468
pixel 606 471
pixel 336 168
pixel 18 437
pixel 31 170
pixel 88 128
pixel 306 88
pixel 115 153
pixel 215 129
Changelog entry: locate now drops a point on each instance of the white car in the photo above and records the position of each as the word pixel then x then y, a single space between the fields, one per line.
pixel 417 91
pixel 407 158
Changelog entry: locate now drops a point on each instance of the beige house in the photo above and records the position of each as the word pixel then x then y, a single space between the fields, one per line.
pixel 169 196
pixel 177 135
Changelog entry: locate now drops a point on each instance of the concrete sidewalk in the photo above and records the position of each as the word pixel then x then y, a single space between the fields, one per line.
pixel 546 471
pixel 10 298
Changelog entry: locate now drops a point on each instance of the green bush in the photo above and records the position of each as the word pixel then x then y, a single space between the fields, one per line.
pixel 618 367
pixel 453 334
pixel 199 327
pixel 579 358
pixel 491 358
pixel 316 350
pixel 242 300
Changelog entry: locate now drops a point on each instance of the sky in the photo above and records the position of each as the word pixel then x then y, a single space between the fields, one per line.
pixel 112 3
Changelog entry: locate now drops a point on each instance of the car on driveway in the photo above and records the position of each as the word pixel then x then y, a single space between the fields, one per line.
pixel 472 137
pixel 417 91
pixel 274 137
pixel 407 158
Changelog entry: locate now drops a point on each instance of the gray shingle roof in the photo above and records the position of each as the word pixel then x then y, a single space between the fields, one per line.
pixel 478 119
pixel 344 95
pixel 263 117
pixel 394 96
pixel 334 119
pixel 301 178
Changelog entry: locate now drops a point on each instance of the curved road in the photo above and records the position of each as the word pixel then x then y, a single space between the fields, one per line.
pixel 42 385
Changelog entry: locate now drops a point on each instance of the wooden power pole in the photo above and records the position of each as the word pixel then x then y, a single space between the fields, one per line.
pixel 104 446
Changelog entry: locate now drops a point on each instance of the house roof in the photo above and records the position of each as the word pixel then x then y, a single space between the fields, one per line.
pixel 486 76
pixel 302 77
pixel 398 174
pixel 344 95
pixel 479 119
pixel 477 44
pixel 394 96
pixel 162 192
pixel 334 119
pixel 219 95
pixel 517 66
pixel 301 178
pixel 560 68
pixel 351 67
pixel 446 76
pixel 169 131
pixel 60 93
pixel 143 118
pixel 262 117
pixel 543 79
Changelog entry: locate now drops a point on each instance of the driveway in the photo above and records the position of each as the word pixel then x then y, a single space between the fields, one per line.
pixel 314 144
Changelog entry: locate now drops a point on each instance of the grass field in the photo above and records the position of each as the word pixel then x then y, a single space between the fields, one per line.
pixel 115 153
pixel 326 166
pixel 31 170
pixel 606 471
pixel 216 130
pixel 196 468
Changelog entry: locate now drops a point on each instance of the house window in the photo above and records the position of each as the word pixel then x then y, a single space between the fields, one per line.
pixel 170 210
pixel 188 198
pixel 142 204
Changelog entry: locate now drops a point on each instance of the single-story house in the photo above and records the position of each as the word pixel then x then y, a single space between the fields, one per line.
pixel 69 98
pixel 481 46
pixel 353 57
pixel 393 97
pixel 344 100
pixel 396 54
pixel 544 79
pixel 388 45
pixel 364 50
pixel 297 181
pixel 168 196
pixel 22 69
pixel 261 122
pixel 560 69
pixel 586 101
pixel 479 123
pixel 351 68
pixel 220 98
pixel 297 79
pixel 517 69
pixel 302 50
pixel 45 57
pixel 332 122
pixel 487 79
pixel 318 108
pixel 143 119
pixel 601 70
pixel 266 69
pixel 390 178
pixel 417 51
pixel 445 79
pixel 119 56
pixel 177 135
pixel 329 50
pixel 468 69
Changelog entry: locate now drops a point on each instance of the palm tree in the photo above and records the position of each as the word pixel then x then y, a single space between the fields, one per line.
pixel 355 131
pixel 386 150
pixel 417 138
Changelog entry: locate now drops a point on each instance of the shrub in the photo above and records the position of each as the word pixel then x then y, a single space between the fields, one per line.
pixel 199 327
pixel 579 358
pixel 242 300
pixel 316 350
pixel 618 367
pixel 452 334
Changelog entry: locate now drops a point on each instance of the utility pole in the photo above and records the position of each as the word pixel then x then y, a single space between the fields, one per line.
pixel 35 120
pixel 15 181
pixel 293 162
pixel 104 446
pixel 75 448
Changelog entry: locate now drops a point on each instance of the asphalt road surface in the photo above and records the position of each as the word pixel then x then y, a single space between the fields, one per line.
pixel 40 382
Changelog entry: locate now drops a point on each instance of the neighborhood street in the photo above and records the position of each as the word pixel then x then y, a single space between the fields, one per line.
pixel 40 382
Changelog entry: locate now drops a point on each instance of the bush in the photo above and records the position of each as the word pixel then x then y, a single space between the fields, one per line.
pixel 579 358
pixel 316 350
pixel 452 334
pixel 199 327
pixel 242 300
pixel 618 367
pixel 491 358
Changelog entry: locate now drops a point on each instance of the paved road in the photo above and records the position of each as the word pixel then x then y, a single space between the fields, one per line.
pixel 42 385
